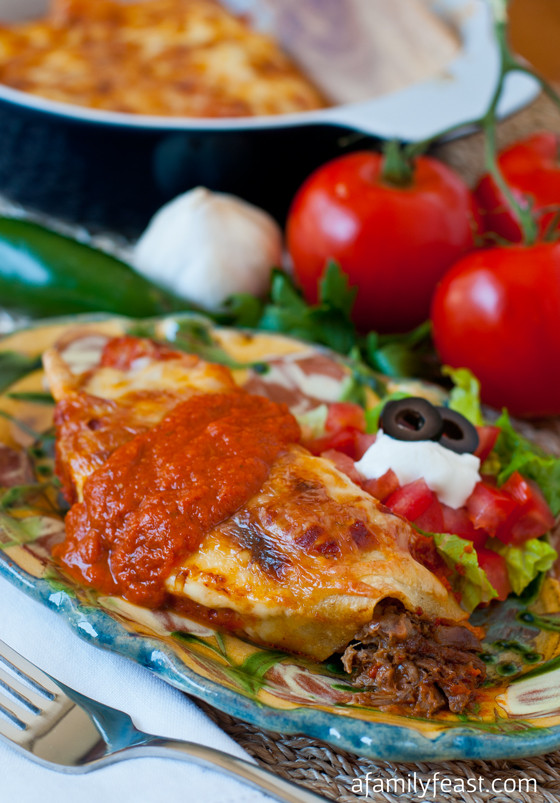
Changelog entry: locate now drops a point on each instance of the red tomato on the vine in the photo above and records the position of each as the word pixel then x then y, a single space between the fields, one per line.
pixel 531 167
pixel 393 241
pixel 497 312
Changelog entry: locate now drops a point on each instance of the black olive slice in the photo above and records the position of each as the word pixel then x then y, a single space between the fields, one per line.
pixel 411 419
pixel 458 434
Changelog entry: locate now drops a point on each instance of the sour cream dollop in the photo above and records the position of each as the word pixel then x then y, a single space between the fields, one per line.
pixel 449 475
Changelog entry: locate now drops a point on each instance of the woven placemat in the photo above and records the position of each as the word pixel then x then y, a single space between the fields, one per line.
pixel 333 773
pixel 466 155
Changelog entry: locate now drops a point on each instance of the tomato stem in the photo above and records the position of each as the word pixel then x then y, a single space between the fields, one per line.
pixel 488 123
pixel 552 233
pixel 509 63
pixel 397 169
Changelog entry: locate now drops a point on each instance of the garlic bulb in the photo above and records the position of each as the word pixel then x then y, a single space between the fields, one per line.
pixel 204 246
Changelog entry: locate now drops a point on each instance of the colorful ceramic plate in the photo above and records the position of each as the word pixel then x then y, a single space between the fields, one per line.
pixel 519 711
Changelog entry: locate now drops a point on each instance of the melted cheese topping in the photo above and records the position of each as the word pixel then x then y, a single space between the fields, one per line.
pixel 160 57
pixel 301 565
pixel 100 409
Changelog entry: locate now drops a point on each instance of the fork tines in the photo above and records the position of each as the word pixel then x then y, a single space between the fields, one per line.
pixel 26 693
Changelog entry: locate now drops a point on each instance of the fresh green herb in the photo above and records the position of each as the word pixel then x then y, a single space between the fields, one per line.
pixel 14 366
pixel 362 378
pixel 516 453
pixel 409 354
pixel 329 323
pixel 243 309
pixel 525 562
pixel 464 398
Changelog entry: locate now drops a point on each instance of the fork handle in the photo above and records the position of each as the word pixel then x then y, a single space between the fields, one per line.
pixel 253 774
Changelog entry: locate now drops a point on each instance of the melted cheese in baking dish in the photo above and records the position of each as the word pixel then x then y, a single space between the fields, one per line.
pixel 300 565
pixel 160 57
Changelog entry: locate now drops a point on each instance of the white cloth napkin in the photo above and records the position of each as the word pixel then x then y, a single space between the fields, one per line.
pixel 44 638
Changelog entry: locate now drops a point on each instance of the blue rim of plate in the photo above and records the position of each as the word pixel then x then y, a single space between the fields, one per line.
pixel 374 740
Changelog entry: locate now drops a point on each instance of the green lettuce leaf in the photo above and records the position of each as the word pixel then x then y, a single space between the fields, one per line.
pixel 468 578
pixel 516 453
pixel 465 396
pixel 525 562
pixel 374 413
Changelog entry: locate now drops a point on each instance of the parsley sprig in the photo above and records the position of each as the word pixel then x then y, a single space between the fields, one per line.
pixel 329 323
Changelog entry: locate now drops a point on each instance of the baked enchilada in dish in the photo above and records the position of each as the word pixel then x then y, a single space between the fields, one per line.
pixel 190 493
pixel 190 58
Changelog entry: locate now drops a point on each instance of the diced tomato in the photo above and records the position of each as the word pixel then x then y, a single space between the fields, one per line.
pixel 344 440
pixel 411 500
pixel 362 443
pixel 383 486
pixel 489 507
pixel 121 352
pixel 345 431
pixel 344 464
pixel 532 516
pixel 343 415
pixel 431 520
pixel 495 567
pixel 487 437
pixel 457 521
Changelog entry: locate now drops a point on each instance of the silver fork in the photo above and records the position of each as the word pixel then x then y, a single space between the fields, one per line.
pixel 69 732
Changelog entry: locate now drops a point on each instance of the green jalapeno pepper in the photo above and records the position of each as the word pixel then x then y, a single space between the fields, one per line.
pixel 43 273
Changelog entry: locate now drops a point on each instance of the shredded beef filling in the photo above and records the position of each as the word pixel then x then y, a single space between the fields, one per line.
pixel 401 661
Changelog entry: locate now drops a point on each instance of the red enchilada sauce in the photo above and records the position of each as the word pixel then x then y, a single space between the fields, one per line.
pixel 152 502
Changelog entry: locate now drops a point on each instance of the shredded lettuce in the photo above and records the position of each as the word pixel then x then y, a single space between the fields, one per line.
pixel 525 562
pixel 313 422
pixel 373 414
pixel 471 582
pixel 516 453
pixel 468 578
pixel 465 395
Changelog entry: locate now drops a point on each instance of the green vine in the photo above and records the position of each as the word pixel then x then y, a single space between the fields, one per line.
pixel 509 63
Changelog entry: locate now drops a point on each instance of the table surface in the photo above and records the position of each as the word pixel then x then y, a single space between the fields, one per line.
pixel 535 34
